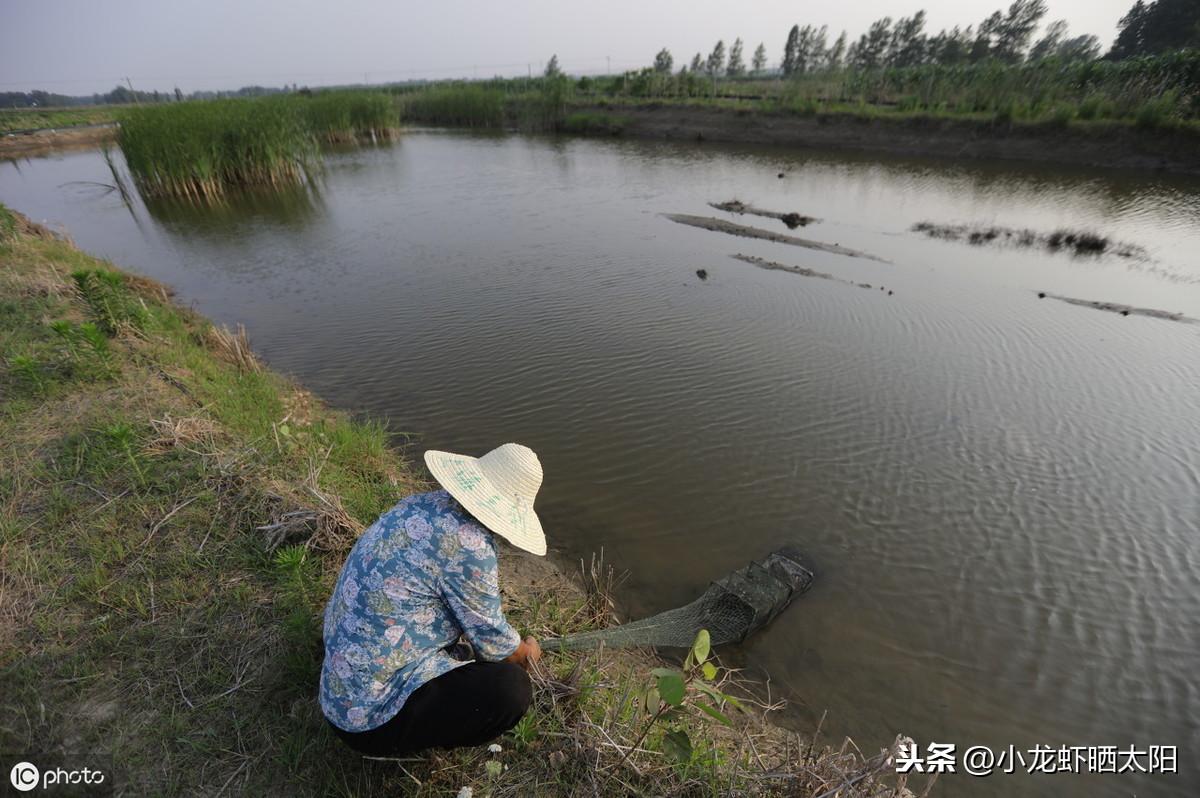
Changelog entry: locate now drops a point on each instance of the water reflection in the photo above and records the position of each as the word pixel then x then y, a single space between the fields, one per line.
pixel 286 208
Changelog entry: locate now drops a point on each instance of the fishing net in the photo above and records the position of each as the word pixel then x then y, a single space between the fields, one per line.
pixel 732 608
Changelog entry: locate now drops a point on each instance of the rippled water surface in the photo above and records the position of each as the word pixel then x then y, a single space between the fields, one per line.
pixel 1001 493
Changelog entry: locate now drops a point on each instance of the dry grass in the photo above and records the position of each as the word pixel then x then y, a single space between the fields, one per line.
pixel 195 434
pixel 233 347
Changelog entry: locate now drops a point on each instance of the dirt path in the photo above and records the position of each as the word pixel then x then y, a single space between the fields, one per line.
pixel 722 226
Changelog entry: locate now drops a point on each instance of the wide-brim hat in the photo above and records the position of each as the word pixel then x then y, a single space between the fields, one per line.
pixel 498 489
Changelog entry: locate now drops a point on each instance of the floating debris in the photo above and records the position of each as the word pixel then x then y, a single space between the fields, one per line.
pixel 1124 310
pixel 772 265
pixel 722 226
pixel 792 220
pixel 1078 242
pixel 702 274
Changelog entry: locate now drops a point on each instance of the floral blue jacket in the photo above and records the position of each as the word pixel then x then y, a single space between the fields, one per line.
pixel 420 576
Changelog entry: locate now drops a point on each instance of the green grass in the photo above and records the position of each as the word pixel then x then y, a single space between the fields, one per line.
pixel 172 518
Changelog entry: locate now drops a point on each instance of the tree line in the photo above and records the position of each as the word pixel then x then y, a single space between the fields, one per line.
pixel 1005 36
pixel 122 95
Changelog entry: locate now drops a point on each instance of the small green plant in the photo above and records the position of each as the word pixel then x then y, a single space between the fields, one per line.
pixel 123 437
pixel 679 694
pixel 107 298
pixel 68 334
pixel 295 570
pixel 28 369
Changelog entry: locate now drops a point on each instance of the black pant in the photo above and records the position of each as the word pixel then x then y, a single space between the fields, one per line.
pixel 469 705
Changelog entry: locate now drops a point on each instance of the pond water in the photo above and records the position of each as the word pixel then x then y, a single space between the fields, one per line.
pixel 1000 493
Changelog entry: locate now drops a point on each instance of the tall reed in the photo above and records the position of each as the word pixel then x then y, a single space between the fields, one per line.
pixel 204 149
pixel 456 104
pixel 340 116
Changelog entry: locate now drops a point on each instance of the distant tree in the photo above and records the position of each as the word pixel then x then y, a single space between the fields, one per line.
pixel 737 66
pixel 1051 39
pixel 909 44
pixel 985 38
pixel 1017 27
pixel 815 48
pixel 552 68
pixel 871 49
pixel 789 51
pixel 178 95
pixel 716 59
pixel 951 47
pixel 760 59
pixel 663 62
pixel 697 63
pixel 837 53
pixel 1156 27
pixel 1079 48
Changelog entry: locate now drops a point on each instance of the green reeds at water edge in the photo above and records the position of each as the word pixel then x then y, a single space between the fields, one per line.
pixel 346 116
pixel 457 105
pixel 202 150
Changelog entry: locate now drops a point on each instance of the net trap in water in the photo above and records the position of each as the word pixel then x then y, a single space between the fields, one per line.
pixel 731 609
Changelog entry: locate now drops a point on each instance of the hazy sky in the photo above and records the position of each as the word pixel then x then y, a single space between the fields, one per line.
pixel 86 46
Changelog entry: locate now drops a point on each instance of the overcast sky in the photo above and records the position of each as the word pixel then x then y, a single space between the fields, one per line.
pixel 87 46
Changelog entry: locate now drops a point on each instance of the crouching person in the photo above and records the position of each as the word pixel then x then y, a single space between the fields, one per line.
pixel 420 578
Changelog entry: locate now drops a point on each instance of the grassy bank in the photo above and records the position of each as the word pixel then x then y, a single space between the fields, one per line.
pixel 37 118
pixel 172 518
pixel 530 105
pixel 1147 93
pixel 204 149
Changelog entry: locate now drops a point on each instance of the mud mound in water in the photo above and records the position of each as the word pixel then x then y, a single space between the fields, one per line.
pixel 1077 242
pixel 772 265
pixel 792 220
pixel 1124 310
pixel 722 226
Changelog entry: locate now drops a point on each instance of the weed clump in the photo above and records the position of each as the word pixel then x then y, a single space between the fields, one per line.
pixel 1078 242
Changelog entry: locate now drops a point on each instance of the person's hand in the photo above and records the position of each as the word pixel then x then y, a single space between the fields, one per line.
pixel 533 652
pixel 528 653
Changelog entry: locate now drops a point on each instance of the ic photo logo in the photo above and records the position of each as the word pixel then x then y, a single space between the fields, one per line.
pixel 72 774
pixel 24 776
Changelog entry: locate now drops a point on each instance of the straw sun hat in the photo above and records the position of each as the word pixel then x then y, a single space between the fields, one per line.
pixel 498 489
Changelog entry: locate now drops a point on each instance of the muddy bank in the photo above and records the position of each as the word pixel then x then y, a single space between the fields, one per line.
pixel 722 226
pixel 1077 242
pixel 803 271
pixel 1124 310
pixel 1092 144
pixel 792 220
pixel 42 141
